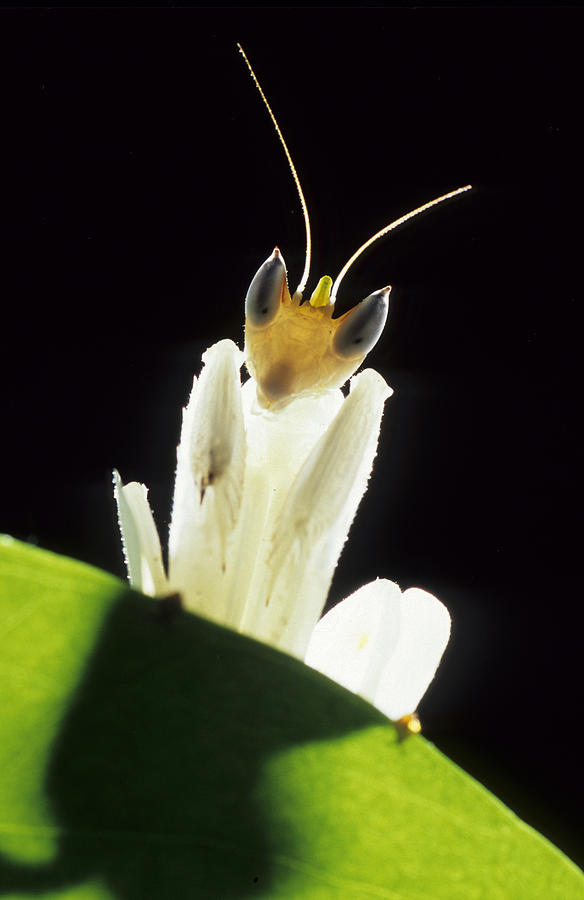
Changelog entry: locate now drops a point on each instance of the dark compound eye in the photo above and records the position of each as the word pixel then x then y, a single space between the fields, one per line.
pixel 360 331
pixel 264 294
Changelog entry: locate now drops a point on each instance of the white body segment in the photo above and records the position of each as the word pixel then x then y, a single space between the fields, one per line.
pixel 278 445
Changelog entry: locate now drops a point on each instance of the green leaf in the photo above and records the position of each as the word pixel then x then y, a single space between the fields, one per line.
pixel 147 754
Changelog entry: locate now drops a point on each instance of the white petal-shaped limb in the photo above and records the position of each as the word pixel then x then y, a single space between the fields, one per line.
pixel 424 634
pixel 139 538
pixel 303 545
pixel 209 483
pixel 353 642
pixel 383 645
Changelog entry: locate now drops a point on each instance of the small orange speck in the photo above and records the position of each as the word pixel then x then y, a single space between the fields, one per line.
pixel 410 724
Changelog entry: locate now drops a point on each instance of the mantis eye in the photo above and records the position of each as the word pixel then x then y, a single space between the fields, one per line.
pixel 266 290
pixel 362 326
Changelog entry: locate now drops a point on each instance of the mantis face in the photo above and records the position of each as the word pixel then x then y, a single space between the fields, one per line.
pixel 295 348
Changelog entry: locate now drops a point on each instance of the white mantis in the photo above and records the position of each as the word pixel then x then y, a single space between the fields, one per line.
pixel 269 477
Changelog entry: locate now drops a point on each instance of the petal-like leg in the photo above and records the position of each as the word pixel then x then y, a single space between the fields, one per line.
pixel 424 634
pixel 278 444
pixel 209 483
pixel 139 538
pixel 353 641
pixel 303 544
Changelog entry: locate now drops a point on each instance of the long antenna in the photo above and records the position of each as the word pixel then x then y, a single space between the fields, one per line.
pixel 306 272
pixel 390 227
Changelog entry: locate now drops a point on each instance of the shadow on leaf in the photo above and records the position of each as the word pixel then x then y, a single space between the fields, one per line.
pixel 151 779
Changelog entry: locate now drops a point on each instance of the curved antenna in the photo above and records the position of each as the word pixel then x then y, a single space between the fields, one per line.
pixel 390 227
pixel 306 272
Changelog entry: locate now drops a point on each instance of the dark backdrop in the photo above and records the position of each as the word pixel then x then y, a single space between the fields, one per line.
pixel 142 185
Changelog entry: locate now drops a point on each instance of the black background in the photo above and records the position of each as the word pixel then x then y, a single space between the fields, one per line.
pixel 142 186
